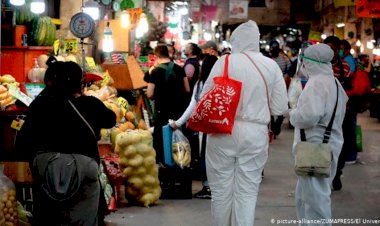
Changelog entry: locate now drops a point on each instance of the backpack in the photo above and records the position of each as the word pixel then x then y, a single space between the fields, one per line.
pixel 169 74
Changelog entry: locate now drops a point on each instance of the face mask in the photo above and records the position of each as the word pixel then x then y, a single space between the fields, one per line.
pixel 341 54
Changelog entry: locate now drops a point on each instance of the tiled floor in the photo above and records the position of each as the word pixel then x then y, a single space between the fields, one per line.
pixel 359 198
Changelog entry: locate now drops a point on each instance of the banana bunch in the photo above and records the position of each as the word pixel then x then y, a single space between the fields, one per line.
pixel 5 97
pixel 7 79
pixel 181 153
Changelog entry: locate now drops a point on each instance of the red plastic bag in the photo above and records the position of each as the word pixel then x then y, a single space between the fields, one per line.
pixel 215 112
pixel 360 84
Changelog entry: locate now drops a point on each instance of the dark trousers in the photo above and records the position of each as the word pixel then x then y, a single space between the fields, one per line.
pixel 349 149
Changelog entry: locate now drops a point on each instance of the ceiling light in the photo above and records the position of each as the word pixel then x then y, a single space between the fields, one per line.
pixel 37 6
pixel 92 9
pixel 339 25
pixel 17 2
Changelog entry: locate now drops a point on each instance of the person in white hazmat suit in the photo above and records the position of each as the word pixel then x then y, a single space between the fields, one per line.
pixel 313 113
pixel 235 162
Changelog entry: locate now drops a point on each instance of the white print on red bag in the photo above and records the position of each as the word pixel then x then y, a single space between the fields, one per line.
pixel 222 97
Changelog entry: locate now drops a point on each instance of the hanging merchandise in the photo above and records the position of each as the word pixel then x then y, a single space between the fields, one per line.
pixel 368 8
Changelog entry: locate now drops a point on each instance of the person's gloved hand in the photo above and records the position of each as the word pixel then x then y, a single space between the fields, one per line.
pixel 172 124
pixel 287 113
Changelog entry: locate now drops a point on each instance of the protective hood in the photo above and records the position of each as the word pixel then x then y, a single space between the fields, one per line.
pixel 245 37
pixel 317 58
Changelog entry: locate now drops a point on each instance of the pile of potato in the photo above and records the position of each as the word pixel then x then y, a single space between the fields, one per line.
pixel 8 203
pixel 137 160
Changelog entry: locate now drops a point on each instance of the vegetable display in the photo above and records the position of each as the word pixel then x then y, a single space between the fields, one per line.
pixel 8 202
pixel 138 162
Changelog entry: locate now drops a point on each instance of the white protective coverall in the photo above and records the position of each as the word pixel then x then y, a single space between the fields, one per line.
pixel 313 113
pixel 234 162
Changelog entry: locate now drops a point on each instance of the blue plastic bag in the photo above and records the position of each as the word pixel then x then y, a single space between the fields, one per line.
pixel 167 136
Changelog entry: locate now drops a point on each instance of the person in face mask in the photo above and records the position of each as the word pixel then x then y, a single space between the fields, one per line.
pixel 342 72
pixel 234 162
pixel 345 54
pixel 313 113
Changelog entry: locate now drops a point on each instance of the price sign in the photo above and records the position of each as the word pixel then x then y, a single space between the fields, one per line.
pixel 71 46
pixel 106 78
pixel 123 102
pixel 90 61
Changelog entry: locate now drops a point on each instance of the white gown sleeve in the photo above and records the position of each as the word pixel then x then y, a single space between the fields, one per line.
pixel 186 115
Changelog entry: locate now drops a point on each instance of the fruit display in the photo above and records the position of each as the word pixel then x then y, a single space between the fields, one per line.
pixel 137 160
pixel 8 202
pixel 24 15
pixel 43 31
pixel 7 81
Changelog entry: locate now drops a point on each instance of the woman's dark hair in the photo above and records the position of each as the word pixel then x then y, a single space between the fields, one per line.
pixel 332 40
pixel 346 44
pixel 195 50
pixel 63 78
pixel 161 51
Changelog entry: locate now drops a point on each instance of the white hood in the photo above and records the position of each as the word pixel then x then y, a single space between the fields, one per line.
pixel 317 60
pixel 246 37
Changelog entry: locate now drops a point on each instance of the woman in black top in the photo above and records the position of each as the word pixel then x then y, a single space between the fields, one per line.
pixel 53 125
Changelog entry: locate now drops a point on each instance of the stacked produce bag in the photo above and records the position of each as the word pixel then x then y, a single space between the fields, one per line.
pixel 137 160
pixel 8 202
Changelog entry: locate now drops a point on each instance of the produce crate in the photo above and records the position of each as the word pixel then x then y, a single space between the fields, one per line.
pixel 176 183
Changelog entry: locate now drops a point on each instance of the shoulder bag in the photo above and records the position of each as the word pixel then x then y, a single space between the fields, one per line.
pixel 59 174
pixel 314 159
pixel 215 111
pixel 270 133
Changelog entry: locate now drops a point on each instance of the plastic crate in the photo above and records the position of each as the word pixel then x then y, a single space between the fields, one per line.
pixel 176 183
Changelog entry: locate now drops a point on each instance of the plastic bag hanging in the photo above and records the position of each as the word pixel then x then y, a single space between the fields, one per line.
pixel 181 151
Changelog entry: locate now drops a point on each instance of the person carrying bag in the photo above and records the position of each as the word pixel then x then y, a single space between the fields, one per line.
pixel 313 159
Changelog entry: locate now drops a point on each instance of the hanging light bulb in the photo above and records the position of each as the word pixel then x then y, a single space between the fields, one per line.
pixel 17 2
pixel 107 41
pixel 37 6
pixel 370 45
pixel 125 19
pixel 143 26
pixel 358 43
pixel 92 9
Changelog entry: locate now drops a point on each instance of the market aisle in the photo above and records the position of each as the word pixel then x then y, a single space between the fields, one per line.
pixel 359 198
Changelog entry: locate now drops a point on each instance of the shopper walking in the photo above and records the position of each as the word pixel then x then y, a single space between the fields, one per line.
pixel 207 64
pixel 342 72
pixel 54 124
pixel 192 67
pixel 235 162
pixel 313 113
pixel 283 62
pixel 169 88
pixel 344 52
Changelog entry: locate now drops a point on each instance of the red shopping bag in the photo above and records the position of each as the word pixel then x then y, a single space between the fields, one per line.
pixel 215 111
